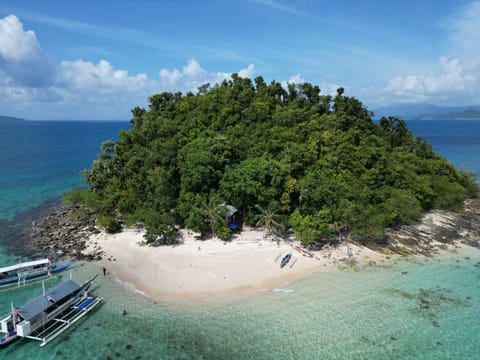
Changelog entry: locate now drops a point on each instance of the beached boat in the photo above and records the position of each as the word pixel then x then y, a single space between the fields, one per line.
pixel 285 259
pixel 20 273
pixel 47 316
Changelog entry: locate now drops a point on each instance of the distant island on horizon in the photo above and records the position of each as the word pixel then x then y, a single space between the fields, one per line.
pixel 12 119
pixel 428 111
pixel 5 119
pixel 471 114
pixel 402 111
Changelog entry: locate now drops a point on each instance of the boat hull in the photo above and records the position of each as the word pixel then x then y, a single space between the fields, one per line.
pixel 285 260
pixel 8 339
pixel 41 272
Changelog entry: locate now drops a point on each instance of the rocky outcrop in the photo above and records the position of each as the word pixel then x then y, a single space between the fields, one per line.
pixel 64 232
pixel 438 229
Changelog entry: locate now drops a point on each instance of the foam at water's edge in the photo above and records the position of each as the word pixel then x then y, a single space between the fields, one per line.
pixel 280 290
pixel 131 287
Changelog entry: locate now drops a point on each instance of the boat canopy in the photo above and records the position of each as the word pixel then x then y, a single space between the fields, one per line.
pixel 24 265
pixel 40 304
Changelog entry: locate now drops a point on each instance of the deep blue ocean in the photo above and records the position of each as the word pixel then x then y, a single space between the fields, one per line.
pixel 457 140
pixel 40 160
pixel 376 313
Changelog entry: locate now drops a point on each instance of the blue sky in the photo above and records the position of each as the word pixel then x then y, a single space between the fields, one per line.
pixel 99 59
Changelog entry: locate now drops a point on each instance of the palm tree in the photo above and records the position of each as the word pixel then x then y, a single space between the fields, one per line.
pixel 269 217
pixel 214 211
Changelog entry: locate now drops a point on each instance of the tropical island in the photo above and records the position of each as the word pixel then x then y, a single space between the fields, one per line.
pixel 244 154
pixel 465 114
pixel 10 119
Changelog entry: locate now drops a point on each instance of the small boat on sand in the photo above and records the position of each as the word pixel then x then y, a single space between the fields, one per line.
pixel 285 260
pixel 47 316
pixel 20 273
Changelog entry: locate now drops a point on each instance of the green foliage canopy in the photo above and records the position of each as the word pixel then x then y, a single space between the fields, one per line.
pixel 321 158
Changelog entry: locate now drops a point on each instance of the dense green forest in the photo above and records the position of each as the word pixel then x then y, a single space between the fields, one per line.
pixel 288 156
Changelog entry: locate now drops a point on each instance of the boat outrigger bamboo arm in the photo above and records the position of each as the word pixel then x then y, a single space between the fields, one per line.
pixel 88 283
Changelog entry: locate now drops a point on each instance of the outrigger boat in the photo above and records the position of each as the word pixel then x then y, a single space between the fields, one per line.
pixel 47 316
pixel 285 259
pixel 21 273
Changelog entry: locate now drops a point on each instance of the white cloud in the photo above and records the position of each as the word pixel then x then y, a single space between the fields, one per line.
pixel 248 72
pixel 15 43
pixel 193 70
pixel 170 78
pixel 295 79
pixel 331 89
pixel 452 79
pixel 193 75
pixel 82 90
pixel 34 87
pixel 30 82
pixel 22 61
pixel 101 77
pixel 99 90
pixel 188 79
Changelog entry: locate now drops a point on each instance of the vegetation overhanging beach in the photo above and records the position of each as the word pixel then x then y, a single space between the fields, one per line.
pixel 212 269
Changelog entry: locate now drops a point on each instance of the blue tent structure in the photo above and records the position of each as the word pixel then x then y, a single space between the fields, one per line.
pixel 232 225
pixel 231 218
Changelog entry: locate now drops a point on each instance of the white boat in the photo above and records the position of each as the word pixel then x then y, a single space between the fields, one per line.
pixel 47 316
pixel 22 272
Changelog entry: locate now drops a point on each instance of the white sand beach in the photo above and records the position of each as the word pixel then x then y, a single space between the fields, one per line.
pixel 209 269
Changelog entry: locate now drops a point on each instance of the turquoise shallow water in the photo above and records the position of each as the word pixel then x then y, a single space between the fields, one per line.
pixel 431 312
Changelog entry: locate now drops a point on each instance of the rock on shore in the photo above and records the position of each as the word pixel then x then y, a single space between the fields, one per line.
pixel 437 229
pixel 64 232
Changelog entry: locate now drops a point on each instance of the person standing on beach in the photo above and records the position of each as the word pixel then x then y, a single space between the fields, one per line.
pixel 104 272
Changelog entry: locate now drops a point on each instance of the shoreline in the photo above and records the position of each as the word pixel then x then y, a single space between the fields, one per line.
pixel 198 269
pixel 207 270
